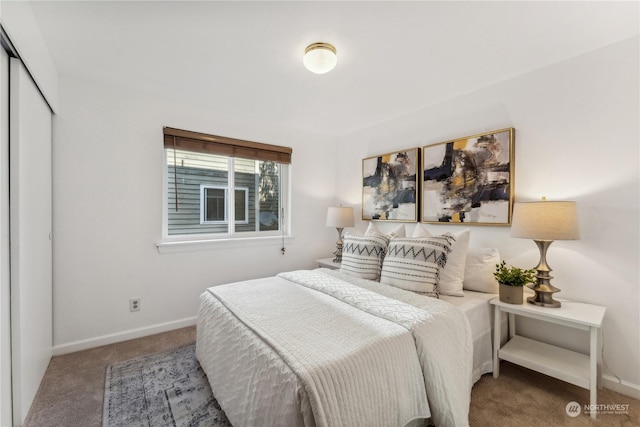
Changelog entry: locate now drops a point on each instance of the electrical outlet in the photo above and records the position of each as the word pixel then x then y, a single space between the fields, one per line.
pixel 134 304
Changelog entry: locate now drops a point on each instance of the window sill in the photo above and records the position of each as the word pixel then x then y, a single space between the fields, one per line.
pixel 176 246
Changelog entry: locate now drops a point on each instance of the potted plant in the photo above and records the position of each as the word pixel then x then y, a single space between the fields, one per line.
pixel 512 280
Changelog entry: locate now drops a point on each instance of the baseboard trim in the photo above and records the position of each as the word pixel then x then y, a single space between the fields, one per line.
pixel 621 386
pixel 122 336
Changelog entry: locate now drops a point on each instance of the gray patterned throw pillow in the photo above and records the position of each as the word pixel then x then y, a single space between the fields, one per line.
pixel 362 256
pixel 414 264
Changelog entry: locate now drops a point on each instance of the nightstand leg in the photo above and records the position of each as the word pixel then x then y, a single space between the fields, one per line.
pixel 512 325
pixel 593 383
pixel 496 340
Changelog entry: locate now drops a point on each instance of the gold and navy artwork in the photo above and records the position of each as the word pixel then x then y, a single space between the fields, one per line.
pixel 390 186
pixel 469 180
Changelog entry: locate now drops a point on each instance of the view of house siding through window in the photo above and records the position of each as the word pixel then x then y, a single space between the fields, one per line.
pixel 205 194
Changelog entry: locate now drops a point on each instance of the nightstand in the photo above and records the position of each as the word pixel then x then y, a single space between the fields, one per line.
pixel 328 263
pixel 569 366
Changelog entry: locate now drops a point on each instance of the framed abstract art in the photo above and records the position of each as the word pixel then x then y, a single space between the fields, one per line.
pixel 469 180
pixel 390 186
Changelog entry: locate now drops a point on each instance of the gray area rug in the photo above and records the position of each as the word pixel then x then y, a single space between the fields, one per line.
pixel 162 389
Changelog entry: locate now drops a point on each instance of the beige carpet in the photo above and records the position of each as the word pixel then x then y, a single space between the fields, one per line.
pixel 72 390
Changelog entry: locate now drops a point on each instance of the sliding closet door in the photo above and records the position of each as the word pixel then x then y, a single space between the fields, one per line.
pixel 30 228
pixel 5 277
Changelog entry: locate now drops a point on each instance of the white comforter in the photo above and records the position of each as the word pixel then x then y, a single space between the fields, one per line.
pixel 359 358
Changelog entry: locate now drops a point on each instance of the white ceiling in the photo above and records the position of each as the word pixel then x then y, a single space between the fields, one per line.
pixel 245 58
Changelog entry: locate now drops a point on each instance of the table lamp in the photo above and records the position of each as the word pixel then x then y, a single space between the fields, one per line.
pixel 340 218
pixel 544 222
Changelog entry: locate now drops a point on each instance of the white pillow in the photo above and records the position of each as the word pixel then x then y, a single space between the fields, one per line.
pixel 373 230
pixel 452 275
pixel 420 231
pixel 362 256
pixel 478 273
pixel 415 264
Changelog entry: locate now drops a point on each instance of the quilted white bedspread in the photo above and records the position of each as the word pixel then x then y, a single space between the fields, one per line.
pixel 337 353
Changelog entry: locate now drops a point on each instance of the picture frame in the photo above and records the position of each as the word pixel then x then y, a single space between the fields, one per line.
pixel 469 180
pixel 390 186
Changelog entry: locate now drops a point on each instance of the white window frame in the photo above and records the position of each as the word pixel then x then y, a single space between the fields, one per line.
pixel 194 242
pixel 203 204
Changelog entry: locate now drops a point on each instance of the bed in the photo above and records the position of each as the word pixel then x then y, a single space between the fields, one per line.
pixel 476 307
pixel 270 352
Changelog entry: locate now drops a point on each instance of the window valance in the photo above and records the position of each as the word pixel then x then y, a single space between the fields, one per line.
pixel 224 146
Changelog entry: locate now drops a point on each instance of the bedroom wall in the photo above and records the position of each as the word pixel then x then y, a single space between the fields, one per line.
pixel 577 134
pixel 107 180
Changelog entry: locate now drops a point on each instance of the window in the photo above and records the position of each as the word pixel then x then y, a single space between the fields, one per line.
pixel 219 187
pixel 213 204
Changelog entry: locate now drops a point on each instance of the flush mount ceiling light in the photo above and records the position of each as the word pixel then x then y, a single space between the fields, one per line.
pixel 320 58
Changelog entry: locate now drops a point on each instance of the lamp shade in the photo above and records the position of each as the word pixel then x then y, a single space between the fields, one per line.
pixel 320 58
pixel 545 221
pixel 340 217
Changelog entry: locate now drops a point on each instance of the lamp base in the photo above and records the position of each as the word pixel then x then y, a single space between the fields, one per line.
pixel 544 297
pixel 338 252
pixel 543 288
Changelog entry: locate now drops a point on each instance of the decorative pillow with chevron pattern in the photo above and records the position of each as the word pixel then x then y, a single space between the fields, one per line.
pixel 414 264
pixel 452 275
pixel 362 256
